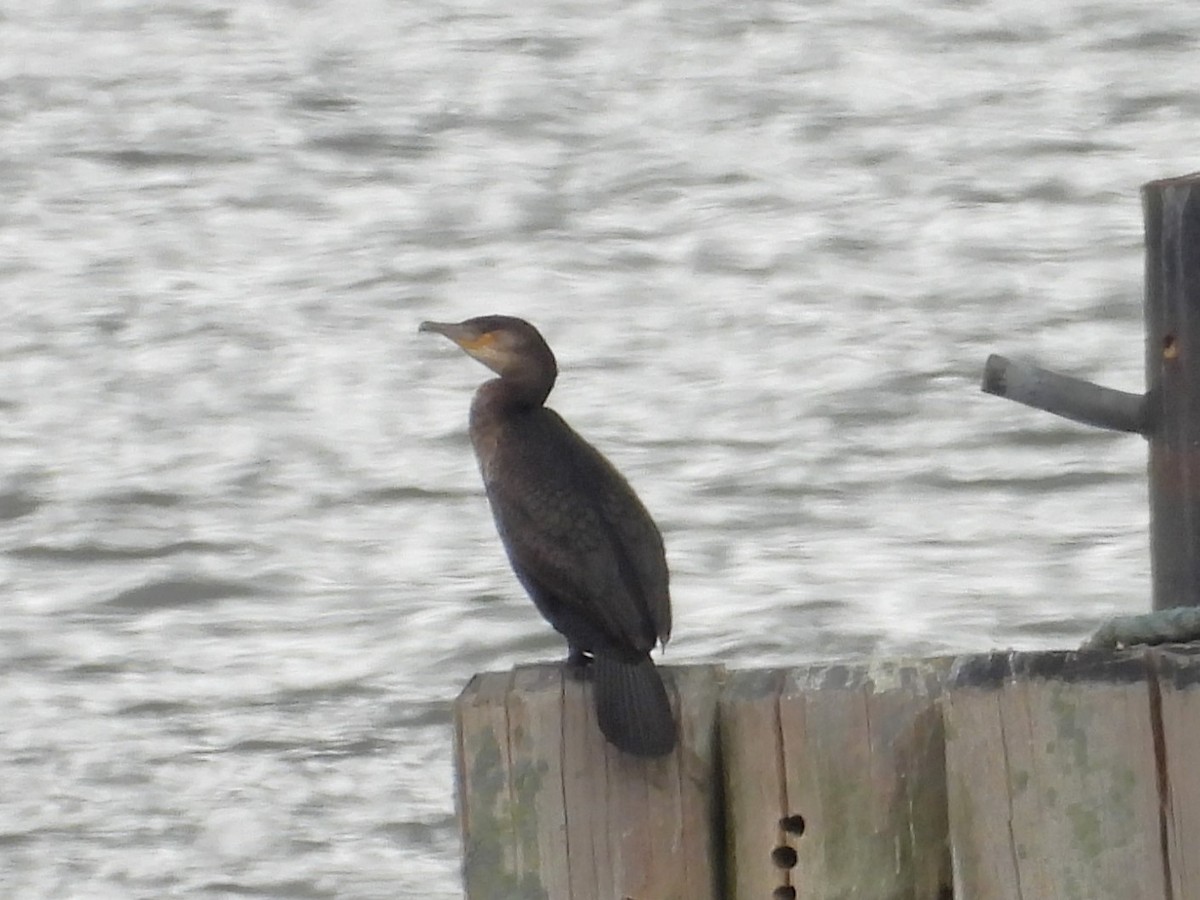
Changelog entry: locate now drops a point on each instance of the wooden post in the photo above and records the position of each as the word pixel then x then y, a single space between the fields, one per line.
pixel 1169 412
pixel 835 783
pixel 550 811
pixel 1005 776
pixel 1053 783
pixel 1172 214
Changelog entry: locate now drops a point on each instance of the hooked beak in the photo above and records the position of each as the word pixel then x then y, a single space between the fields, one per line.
pixel 446 328
pixel 461 333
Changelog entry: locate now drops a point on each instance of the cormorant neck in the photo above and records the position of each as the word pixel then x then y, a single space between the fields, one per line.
pixel 506 395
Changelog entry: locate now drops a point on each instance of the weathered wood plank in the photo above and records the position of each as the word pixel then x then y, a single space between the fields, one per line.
pixel 863 750
pixel 1179 692
pixel 697 770
pixel 755 794
pixel 535 768
pixel 1068 775
pixel 488 812
pixel 1052 777
pixel 550 810
pixel 586 795
pixel 835 782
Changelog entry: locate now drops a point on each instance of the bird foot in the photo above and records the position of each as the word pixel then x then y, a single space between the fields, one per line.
pixel 578 665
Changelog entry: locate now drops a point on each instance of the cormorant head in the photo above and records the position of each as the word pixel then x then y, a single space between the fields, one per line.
pixel 510 347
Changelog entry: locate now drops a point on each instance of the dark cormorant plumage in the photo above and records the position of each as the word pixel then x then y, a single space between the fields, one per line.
pixel 578 537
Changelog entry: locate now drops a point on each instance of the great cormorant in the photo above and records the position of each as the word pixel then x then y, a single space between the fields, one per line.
pixel 578 537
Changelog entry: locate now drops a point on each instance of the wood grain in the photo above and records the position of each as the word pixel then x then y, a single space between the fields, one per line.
pixel 550 810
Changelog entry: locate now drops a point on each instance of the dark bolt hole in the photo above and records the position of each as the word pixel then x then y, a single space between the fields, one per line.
pixel 792 824
pixel 784 892
pixel 784 857
pixel 1170 348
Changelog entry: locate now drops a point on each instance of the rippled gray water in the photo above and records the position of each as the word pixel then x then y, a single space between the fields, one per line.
pixel 246 561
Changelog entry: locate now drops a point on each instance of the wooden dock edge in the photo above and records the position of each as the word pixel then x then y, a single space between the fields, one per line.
pixel 1003 775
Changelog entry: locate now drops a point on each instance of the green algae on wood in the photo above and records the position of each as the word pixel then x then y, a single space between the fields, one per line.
pixel 1051 766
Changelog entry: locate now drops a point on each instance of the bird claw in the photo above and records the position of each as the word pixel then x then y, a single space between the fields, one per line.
pixel 578 665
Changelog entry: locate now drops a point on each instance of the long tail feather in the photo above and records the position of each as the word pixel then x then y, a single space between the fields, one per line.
pixel 632 706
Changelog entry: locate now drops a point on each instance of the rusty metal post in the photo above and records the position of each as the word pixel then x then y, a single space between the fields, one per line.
pixel 1172 214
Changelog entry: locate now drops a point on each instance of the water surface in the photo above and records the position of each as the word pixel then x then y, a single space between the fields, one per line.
pixel 245 558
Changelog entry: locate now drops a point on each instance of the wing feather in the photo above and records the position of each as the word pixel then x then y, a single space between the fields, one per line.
pixel 577 535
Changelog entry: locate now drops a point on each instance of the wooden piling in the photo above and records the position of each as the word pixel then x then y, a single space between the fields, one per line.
pixel 549 811
pixel 835 782
pixel 1053 791
pixel 1168 413
pixel 1004 776
pixel 1172 216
